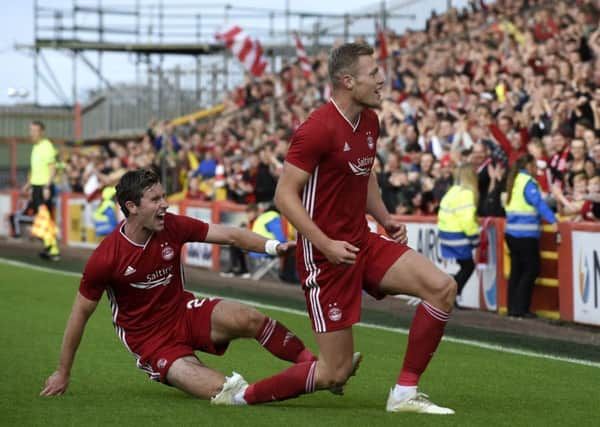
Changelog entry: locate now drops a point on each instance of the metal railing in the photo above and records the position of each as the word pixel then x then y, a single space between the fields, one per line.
pixel 15 121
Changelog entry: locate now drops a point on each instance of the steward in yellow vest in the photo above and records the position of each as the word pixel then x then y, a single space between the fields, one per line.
pixel 458 229
pixel 268 224
pixel 457 223
pixel 524 209
pixel 457 220
pixel 105 217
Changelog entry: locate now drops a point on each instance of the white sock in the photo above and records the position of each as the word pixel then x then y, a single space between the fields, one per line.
pixel 402 392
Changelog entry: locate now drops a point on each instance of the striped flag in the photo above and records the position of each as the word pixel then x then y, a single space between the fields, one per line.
pixel 302 57
pixel 247 50
pixel 45 228
pixel 381 43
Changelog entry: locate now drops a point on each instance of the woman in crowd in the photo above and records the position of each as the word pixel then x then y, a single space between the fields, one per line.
pixel 457 223
pixel 524 209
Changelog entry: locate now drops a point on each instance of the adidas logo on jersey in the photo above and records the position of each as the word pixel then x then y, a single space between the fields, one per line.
pixel 347 147
pixel 129 271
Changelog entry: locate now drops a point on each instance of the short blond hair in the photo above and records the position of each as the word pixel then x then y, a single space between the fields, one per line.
pixel 343 59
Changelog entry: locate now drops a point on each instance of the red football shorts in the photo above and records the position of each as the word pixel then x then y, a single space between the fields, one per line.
pixel 191 332
pixel 333 292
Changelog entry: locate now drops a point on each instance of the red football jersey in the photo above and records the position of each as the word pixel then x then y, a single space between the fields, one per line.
pixel 339 158
pixel 144 283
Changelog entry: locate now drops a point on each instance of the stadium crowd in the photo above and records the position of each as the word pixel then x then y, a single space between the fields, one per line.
pixel 484 84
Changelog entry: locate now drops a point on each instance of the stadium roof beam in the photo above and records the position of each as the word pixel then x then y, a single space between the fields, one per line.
pixel 105 11
pixel 141 48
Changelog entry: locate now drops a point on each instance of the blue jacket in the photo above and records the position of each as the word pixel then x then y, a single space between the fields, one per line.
pixel 526 222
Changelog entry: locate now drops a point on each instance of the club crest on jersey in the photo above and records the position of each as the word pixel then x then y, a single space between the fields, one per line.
pixel 370 141
pixel 161 363
pixel 167 252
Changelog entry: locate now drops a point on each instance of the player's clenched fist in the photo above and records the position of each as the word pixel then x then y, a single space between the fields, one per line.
pixel 396 230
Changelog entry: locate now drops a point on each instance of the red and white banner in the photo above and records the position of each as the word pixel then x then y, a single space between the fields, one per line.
pixel 302 57
pixel 381 43
pixel 246 49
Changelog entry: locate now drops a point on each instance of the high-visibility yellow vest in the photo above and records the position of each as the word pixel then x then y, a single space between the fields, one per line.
pixel 458 229
pixel 260 224
pixel 518 203
pixel 105 218
pixel 457 211
pixel 522 219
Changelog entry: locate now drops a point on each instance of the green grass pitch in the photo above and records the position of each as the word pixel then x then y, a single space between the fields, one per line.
pixel 485 387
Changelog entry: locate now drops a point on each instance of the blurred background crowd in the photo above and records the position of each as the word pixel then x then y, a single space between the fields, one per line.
pixel 484 84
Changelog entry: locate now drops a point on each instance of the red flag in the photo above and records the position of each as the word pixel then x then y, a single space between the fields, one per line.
pixel 302 57
pixel 381 43
pixel 248 50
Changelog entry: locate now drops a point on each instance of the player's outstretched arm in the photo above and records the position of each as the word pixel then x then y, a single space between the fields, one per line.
pixel 244 239
pixel 287 198
pixel 57 383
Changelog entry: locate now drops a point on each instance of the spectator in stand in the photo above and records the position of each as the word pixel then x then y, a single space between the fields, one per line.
pixel 426 165
pixel 384 178
pixel 590 139
pixel 267 170
pixel 570 205
pixel 596 158
pixel 412 160
pixel 239 189
pixel 238 264
pixel 591 207
pixel 74 171
pixel 458 226
pixel 105 216
pixel 524 210
pixel 491 205
pixel 537 150
pixel 444 181
pixel 559 162
pixel 480 159
pixel 580 162
pixel 197 189
pixel 165 138
pixel 267 223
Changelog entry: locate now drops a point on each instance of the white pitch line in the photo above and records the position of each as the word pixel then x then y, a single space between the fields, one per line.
pixel 472 343
pixel 38 268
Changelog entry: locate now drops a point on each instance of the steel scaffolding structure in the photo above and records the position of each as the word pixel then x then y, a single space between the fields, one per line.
pixel 153 34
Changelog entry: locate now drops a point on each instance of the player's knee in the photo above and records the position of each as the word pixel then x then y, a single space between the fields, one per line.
pixel 447 293
pixel 249 321
pixel 442 292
